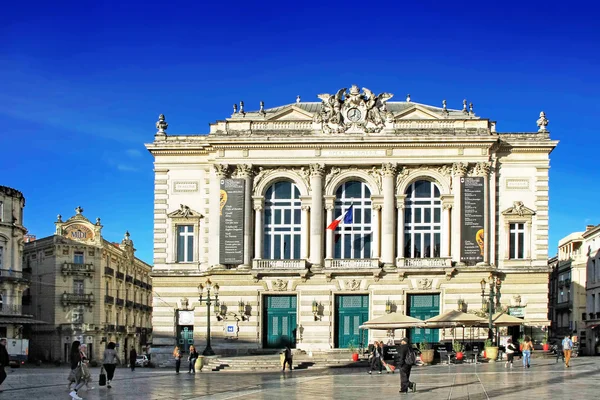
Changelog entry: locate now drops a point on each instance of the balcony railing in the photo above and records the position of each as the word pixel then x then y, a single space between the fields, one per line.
pixel 121 328
pixel 439 262
pixel 136 306
pixel 137 282
pixel 119 302
pixel 129 278
pixel 109 299
pixel 77 298
pixel 120 275
pixel 131 330
pixel 597 314
pixel 10 309
pixel 9 274
pixel 109 271
pixel 592 315
pixel 110 328
pixel 279 264
pixel 77 269
pixel 129 303
pixel 358 263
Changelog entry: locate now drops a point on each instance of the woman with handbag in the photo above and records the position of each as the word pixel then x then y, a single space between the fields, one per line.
pixel 76 374
pixel 111 358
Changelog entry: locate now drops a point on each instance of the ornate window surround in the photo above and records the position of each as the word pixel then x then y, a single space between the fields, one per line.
pixel 184 216
pixel 517 214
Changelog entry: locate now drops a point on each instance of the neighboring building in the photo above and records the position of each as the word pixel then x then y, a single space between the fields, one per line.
pixel 553 297
pixel 439 201
pixel 14 281
pixel 591 245
pixel 88 289
pixel 569 279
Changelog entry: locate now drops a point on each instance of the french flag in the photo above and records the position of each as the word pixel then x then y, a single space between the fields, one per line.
pixel 346 217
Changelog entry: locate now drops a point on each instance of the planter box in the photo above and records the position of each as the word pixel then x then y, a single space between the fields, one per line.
pixel 491 353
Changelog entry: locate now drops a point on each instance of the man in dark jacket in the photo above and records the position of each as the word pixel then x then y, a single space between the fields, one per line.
pixel 4 360
pixel 132 358
pixel 405 367
pixel 287 357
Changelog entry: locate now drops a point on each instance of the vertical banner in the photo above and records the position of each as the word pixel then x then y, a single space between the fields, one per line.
pixel 231 221
pixel 473 206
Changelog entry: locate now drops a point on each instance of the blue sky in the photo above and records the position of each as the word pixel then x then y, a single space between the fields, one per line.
pixel 83 84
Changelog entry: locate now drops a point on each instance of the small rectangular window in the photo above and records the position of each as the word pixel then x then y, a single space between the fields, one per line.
pixel 78 286
pixel 78 257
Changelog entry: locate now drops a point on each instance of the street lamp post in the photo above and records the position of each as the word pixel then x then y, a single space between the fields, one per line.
pixel 493 294
pixel 208 351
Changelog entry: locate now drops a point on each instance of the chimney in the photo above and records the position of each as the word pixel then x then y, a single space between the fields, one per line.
pixel 589 227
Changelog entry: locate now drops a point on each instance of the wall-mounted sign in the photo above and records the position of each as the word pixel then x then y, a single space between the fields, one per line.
pixel 185 317
pixel 472 233
pixel 78 232
pixel 518 312
pixel 231 329
pixel 231 202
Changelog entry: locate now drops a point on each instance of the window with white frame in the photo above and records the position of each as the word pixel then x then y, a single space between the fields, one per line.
pixel 353 240
pixel 516 241
pixel 282 226
pixel 422 220
pixel 78 257
pixel 78 286
pixel 185 243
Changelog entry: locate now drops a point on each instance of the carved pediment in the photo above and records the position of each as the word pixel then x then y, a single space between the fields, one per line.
pixel 291 113
pixel 518 210
pixel 185 212
pixel 417 112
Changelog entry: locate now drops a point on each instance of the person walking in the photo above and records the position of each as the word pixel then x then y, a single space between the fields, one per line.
pixel 132 358
pixel 110 360
pixel 86 376
pixel 406 359
pixel 76 370
pixel 567 345
pixel 287 357
pixel 4 360
pixel 177 355
pixel 527 350
pixel 192 360
pixel 510 353
pixel 376 358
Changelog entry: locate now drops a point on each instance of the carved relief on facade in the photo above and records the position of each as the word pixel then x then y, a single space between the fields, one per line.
pixel 424 284
pixel 280 285
pixel 481 169
pixel 300 174
pixel 332 173
pixel 353 284
pixel 222 170
pixel 243 171
pixel 460 169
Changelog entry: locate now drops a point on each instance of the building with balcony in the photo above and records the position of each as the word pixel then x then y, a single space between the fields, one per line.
pixel 430 201
pixel 89 289
pixel 14 280
pixel 591 249
pixel 568 284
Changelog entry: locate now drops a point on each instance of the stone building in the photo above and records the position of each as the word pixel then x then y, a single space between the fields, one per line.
pixel 431 200
pixel 89 289
pixel 14 281
pixel 591 249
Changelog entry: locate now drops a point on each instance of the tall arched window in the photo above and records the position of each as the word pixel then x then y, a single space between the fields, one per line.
pixel 422 220
pixel 282 222
pixel 353 240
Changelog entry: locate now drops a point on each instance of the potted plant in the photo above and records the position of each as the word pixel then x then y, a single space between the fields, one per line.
pixel 427 352
pixel 458 349
pixel 545 345
pixel 352 348
pixel 491 351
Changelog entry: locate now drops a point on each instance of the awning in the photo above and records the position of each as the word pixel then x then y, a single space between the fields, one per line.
pixel 538 323
pixel 20 320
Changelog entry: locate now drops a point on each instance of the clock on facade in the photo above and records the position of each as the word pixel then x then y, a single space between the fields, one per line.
pixel 353 114
pixel 186 318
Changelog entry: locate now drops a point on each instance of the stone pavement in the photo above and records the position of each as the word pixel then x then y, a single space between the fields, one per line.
pixel 545 379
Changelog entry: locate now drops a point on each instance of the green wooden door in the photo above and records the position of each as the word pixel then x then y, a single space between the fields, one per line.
pixel 280 321
pixel 351 312
pixel 424 306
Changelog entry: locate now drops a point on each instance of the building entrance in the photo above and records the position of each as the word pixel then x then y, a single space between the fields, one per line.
pixel 424 306
pixel 351 311
pixel 185 337
pixel 279 323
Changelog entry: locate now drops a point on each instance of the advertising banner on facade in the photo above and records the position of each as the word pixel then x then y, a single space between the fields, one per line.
pixel 231 221
pixel 472 234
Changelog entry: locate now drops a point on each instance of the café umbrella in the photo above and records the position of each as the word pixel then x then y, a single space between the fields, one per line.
pixel 454 318
pixel 392 321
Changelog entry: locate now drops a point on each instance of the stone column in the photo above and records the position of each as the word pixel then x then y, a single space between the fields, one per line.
pixel 446 227
pixel 493 228
pixel 221 172
pixel 506 240
pixel 400 199
pixel 376 229
pixel 244 171
pixel 528 240
pixel 483 169
pixel 316 215
pixel 459 170
pixel 387 215
pixel 304 233
pixel 329 206
pixel 259 203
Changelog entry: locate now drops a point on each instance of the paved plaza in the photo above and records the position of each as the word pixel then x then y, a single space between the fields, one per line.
pixel 545 379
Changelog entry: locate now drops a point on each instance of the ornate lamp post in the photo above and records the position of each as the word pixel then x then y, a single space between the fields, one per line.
pixel 493 299
pixel 208 351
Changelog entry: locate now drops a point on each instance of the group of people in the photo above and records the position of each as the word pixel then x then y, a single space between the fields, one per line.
pixel 80 375
pixel 192 357
pixel 404 360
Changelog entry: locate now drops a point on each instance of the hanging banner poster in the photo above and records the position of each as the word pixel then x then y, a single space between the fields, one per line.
pixel 231 205
pixel 472 234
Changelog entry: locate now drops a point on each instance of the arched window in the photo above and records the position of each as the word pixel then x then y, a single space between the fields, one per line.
pixel 282 222
pixel 353 240
pixel 422 220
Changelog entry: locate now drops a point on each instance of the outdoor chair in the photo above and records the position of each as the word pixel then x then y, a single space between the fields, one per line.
pixel 446 355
